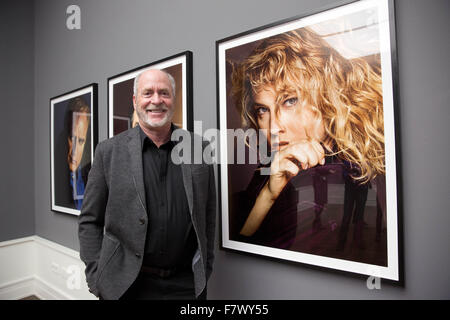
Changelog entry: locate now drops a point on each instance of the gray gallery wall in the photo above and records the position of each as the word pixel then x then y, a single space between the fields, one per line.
pixel 117 35
pixel 16 119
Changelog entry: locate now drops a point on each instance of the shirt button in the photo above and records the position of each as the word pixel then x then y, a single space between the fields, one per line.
pixel 142 221
pixel 138 255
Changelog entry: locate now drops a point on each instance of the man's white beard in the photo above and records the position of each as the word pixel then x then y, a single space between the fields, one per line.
pixel 142 114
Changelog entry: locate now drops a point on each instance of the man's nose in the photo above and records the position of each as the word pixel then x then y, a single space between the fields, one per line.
pixel 74 145
pixel 156 99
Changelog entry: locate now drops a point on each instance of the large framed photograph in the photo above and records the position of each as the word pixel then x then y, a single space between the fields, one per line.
pixel 306 111
pixel 121 115
pixel 73 137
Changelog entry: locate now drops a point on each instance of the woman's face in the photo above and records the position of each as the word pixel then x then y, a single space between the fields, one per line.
pixel 287 118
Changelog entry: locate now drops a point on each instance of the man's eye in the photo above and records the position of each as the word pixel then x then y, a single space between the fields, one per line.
pixel 290 102
pixel 81 141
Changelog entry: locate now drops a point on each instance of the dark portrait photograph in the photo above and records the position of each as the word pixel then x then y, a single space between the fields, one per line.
pixel 121 114
pixel 317 94
pixel 73 139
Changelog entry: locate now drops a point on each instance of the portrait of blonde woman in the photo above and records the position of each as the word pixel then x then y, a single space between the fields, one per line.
pixel 321 115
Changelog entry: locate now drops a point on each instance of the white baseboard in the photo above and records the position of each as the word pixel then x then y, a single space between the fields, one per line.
pixel 17 289
pixel 36 266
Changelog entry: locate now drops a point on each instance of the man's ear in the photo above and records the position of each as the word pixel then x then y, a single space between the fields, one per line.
pixel 134 102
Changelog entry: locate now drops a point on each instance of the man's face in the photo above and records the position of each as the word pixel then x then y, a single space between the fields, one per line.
pixel 154 100
pixel 77 140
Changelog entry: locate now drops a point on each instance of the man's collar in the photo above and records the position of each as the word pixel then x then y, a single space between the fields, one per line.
pixel 144 136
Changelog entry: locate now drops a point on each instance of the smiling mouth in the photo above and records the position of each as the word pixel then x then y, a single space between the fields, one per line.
pixel 156 111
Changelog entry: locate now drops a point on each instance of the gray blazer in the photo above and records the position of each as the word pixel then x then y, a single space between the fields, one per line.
pixel 113 220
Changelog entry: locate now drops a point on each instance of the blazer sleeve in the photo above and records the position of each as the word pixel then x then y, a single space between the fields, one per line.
pixel 92 217
pixel 210 221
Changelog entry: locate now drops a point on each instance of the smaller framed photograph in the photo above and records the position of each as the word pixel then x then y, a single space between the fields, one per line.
pixel 121 114
pixel 73 138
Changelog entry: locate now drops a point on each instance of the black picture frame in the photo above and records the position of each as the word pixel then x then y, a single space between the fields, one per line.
pixel 69 167
pixel 356 29
pixel 120 93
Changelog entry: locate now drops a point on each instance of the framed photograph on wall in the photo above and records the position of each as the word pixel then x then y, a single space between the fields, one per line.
pixel 306 112
pixel 121 114
pixel 73 137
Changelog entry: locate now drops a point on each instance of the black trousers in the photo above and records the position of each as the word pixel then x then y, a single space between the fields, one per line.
pixel 179 286
pixel 355 198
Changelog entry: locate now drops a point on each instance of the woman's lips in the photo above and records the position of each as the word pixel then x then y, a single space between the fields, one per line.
pixel 279 145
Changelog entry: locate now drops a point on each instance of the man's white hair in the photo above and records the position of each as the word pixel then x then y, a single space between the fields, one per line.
pixel 136 80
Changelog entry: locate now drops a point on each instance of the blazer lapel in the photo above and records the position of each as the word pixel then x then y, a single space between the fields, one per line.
pixel 134 148
pixel 187 181
pixel 186 170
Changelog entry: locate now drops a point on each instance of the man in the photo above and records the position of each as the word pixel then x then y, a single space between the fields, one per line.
pixel 71 183
pixel 147 225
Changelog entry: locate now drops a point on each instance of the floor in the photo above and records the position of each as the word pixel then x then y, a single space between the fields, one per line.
pixel 324 240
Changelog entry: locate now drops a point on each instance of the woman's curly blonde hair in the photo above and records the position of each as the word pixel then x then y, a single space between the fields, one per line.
pixel 346 95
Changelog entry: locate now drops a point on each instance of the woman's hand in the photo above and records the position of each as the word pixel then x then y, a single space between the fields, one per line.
pixel 286 164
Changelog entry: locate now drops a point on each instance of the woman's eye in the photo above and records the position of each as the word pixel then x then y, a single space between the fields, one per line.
pixel 261 110
pixel 290 102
